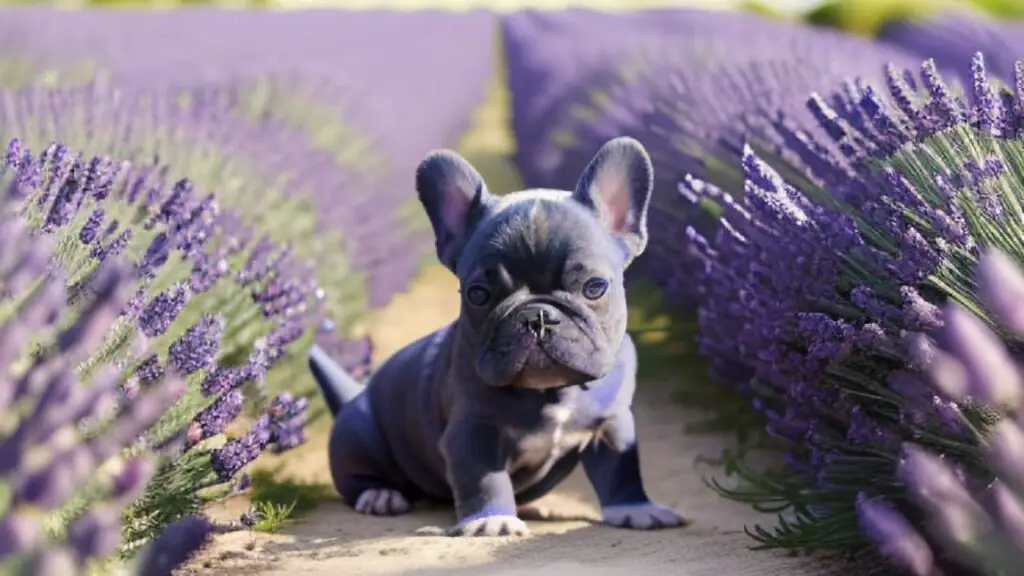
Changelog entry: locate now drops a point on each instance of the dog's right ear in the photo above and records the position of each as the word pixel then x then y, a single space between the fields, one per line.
pixel 454 194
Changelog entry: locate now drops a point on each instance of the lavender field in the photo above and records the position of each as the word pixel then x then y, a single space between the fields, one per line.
pixel 828 313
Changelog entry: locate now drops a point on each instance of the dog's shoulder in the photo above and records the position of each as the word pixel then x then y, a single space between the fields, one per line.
pixel 416 361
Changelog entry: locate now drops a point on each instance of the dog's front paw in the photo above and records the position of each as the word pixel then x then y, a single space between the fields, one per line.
pixel 382 502
pixel 643 516
pixel 491 526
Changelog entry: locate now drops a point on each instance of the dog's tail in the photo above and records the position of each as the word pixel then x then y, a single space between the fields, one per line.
pixel 337 385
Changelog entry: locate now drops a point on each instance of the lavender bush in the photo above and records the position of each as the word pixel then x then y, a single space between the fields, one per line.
pixel 260 170
pixel 814 286
pixel 699 85
pixel 45 403
pixel 970 514
pixel 203 291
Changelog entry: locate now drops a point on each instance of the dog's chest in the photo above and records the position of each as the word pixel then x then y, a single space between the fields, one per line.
pixel 560 433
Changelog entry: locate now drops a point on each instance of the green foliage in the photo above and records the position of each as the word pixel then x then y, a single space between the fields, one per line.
pixel 298 497
pixel 866 17
pixel 273 517
pixel 1010 9
pixel 763 8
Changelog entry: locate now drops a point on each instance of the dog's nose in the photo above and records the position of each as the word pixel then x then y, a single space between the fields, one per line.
pixel 539 318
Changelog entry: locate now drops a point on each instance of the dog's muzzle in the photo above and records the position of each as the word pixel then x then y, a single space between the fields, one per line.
pixel 539 319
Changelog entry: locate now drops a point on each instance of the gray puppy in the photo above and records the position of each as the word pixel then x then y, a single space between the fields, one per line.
pixel 536 375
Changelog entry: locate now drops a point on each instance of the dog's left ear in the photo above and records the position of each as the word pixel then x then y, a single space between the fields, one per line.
pixel 617 186
pixel 454 195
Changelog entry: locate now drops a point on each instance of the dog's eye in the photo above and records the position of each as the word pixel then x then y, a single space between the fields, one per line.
pixel 594 288
pixel 478 295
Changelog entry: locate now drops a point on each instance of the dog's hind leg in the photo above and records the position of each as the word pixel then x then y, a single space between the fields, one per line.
pixel 362 470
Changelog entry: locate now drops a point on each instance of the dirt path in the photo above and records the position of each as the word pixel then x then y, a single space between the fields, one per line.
pixel 334 540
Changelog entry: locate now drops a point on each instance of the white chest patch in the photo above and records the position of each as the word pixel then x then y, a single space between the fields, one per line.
pixel 541 449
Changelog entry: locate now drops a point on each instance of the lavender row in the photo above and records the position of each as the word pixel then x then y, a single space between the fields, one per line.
pixel 820 288
pixel 692 85
pixel 374 91
pixel 195 289
pixel 952 37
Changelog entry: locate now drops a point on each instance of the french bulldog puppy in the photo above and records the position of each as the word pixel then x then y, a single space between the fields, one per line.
pixel 535 376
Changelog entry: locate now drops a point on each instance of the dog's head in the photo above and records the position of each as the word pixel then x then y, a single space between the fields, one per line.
pixel 540 271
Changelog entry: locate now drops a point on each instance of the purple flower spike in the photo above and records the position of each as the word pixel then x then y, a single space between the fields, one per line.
pixel 156 255
pixel 132 479
pixel 216 417
pixel 1002 287
pixel 1007 508
pixel 14 153
pixel 157 316
pixel 222 379
pixel 288 417
pixel 150 370
pixel 993 376
pixel 928 476
pixel 236 454
pixel 113 247
pixel 175 546
pixel 68 199
pixel 198 347
pixel 895 537
pixel 18 534
pixel 1006 444
pixel 207 269
pixel 935 486
pixel 91 229
pixel 96 534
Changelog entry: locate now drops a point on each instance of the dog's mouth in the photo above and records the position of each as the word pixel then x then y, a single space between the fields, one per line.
pixel 543 344
pixel 554 377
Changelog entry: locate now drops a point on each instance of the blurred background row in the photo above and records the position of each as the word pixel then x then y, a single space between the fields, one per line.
pixel 860 16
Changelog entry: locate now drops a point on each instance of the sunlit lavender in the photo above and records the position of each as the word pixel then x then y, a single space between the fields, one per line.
pixel 342 104
pixel 833 273
pixel 973 513
pixel 52 440
pixel 694 86
pixel 207 303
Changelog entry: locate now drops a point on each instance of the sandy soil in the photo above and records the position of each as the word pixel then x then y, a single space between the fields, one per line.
pixel 335 540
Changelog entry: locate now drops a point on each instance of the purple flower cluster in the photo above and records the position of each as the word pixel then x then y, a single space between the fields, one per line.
pixel 694 90
pixel 229 459
pixel 814 286
pixel 280 428
pixel 288 418
pixel 58 402
pixel 976 520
